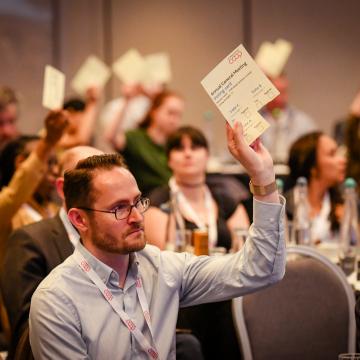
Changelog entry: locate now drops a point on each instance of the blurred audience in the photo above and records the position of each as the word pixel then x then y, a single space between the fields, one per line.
pixel 287 122
pixel 34 250
pixel 315 156
pixel 341 134
pixel 8 115
pixel 352 142
pixel 144 148
pixel 82 119
pixel 28 173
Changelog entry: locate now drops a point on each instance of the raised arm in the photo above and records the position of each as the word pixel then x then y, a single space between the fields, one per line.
pixel 255 159
pixel 114 134
pixel 261 261
pixel 30 172
pixel 86 126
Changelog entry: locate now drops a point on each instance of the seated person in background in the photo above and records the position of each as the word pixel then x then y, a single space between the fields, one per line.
pixel 115 296
pixel 315 156
pixel 8 115
pixel 24 182
pixel 341 132
pixel 287 122
pixel 41 204
pixel 352 143
pixel 34 250
pixel 82 118
pixel 144 148
pixel 28 175
pixel 187 202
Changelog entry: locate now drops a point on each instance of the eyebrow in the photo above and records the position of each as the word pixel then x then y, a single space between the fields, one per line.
pixel 123 202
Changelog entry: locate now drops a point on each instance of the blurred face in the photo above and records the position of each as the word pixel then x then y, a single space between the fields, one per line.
pixel 8 128
pixel 188 160
pixel 46 188
pixel 75 120
pixel 111 189
pixel 280 102
pixel 168 115
pixel 331 165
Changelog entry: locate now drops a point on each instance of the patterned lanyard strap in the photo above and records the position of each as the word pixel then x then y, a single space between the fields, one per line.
pixel 130 324
pixel 191 214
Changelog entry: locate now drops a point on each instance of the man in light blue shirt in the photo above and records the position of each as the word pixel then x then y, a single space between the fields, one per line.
pixel 118 298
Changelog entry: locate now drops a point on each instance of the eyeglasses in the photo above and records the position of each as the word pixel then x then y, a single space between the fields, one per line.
pixel 123 211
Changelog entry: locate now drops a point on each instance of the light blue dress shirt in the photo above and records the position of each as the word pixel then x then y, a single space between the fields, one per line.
pixel 70 319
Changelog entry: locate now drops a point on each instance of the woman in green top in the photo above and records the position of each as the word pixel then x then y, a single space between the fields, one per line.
pixel 143 148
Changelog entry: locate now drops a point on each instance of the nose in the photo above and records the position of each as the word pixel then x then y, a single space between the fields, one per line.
pixel 135 215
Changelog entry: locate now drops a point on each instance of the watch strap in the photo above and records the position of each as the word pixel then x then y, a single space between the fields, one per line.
pixel 262 190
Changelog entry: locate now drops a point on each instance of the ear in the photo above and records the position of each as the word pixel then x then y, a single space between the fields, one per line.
pixel 78 219
pixel 59 184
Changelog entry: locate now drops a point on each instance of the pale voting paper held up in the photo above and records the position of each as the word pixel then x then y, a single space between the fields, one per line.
pixel 54 88
pixel 132 68
pixel 272 57
pixel 93 72
pixel 240 89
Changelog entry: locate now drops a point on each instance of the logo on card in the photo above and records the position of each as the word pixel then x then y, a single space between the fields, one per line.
pixel 108 295
pixel 85 266
pixel 153 353
pixel 236 55
pixel 131 326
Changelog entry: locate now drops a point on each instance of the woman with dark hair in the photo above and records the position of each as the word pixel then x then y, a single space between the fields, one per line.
pixel 144 148
pixel 189 200
pixel 187 203
pixel 315 156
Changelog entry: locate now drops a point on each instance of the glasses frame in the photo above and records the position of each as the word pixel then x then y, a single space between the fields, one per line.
pixel 129 208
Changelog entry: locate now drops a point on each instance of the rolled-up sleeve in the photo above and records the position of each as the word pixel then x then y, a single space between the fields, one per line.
pixel 260 263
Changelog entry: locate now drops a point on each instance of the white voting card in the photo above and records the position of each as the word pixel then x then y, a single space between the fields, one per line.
pixel 157 69
pixel 130 67
pixel 272 58
pixel 239 89
pixel 54 88
pixel 93 72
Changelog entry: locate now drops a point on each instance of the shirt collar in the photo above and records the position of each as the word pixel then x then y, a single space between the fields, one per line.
pixel 105 272
pixel 70 230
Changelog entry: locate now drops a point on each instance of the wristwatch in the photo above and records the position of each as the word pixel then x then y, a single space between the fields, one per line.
pixel 262 190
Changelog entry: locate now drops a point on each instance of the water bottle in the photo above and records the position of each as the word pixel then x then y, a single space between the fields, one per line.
pixel 349 230
pixel 301 223
pixel 280 187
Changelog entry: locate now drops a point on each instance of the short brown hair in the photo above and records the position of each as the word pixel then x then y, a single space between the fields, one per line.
pixel 7 96
pixel 77 182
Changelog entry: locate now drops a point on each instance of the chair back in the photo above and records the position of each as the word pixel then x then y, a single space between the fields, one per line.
pixel 308 315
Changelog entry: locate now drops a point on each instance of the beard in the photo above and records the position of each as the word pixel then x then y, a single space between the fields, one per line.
pixel 131 240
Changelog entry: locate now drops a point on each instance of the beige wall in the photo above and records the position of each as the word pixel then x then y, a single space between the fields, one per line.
pixel 324 68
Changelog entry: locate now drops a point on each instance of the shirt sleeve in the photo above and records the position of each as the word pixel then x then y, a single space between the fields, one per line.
pixel 260 263
pixel 22 185
pixel 54 327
